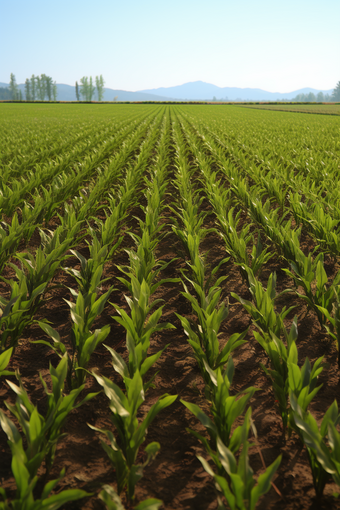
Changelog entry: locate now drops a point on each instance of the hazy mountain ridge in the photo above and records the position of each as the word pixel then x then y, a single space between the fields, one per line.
pixel 199 90
pixel 192 91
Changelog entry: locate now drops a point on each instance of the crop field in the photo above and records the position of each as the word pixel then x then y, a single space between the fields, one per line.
pixel 169 308
pixel 321 109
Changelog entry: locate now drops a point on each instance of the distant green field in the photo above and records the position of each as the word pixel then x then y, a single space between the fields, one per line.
pixel 325 109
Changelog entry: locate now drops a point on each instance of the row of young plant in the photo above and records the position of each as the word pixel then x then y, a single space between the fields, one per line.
pixel 104 239
pixel 44 207
pixel 142 277
pixel 307 271
pixel 294 388
pixel 88 305
pixel 234 478
pixel 273 140
pixel 34 274
pixel 278 177
pixel 72 166
pixel 17 165
pixel 31 137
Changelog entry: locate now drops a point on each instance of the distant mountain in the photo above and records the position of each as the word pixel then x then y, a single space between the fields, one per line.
pixel 193 91
pixel 67 93
pixel 199 90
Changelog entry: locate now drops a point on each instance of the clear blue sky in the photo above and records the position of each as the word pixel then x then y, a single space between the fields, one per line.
pixel 277 46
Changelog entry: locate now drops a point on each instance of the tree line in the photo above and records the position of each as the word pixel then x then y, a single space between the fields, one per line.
pixel 36 88
pixel 320 97
pixel 40 87
pixel 87 88
pixel 336 93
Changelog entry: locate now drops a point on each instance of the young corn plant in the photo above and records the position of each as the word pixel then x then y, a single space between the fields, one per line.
pixel 88 267
pixel 237 242
pixel 284 373
pixel 84 311
pixel 84 341
pixel 302 381
pixel 312 277
pixel 324 459
pixel 333 328
pixel 225 408
pixel 238 485
pixel 143 322
pixel 42 433
pixel 28 292
pixel 124 407
pixel 10 237
pixel 24 498
pixel 263 311
pixel 18 311
pixel 113 501
pixel 203 336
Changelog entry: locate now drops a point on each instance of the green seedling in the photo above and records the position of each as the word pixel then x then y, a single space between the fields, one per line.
pixel 124 408
pixel 324 460
pixel 239 486
pixel 225 409
pixel 263 311
pixel 113 501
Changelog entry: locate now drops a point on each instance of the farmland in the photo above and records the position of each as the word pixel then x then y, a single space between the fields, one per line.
pixel 321 109
pixel 174 270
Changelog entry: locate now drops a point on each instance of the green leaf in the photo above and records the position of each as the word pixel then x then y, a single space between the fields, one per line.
pixel 203 418
pixel 5 358
pixel 111 498
pixel 118 363
pixel 50 331
pixel 149 504
pixel 263 483
pixel 58 500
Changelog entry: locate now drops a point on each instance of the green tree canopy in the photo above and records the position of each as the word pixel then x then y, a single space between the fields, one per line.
pixel 336 93
pixel 13 87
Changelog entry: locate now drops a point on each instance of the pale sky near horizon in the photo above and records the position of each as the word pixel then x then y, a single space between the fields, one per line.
pixel 275 46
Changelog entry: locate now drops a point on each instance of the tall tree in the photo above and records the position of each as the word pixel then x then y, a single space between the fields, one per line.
pixel 77 91
pixel 5 93
pixel 336 93
pixel 55 91
pixel 49 87
pixel 91 89
pixel 28 90
pixel 33 88
pixel 100 87
pixel 84 85
pixel 38 83
pixel 43 84
pixel 13 87
pixel 320 97
pixel 87 88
